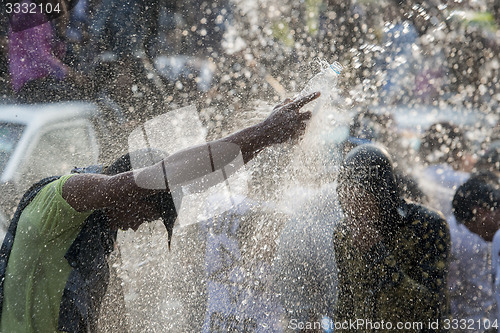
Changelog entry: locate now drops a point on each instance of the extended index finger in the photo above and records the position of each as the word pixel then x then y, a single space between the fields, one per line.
pixel 285 102
pixel 300 102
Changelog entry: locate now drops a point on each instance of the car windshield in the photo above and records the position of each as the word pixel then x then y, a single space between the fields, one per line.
pixel 9 137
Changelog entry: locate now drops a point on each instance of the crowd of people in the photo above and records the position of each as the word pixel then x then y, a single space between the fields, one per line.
pixel 91 45
pixel 104 51
pixel 391 239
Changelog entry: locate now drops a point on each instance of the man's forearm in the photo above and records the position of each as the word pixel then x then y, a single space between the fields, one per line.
pixel 210 163
pixel 202 163
pixel 251 140
pixel 202 166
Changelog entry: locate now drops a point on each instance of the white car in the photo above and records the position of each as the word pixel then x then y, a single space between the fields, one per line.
pixel 4 225
pixel 38 141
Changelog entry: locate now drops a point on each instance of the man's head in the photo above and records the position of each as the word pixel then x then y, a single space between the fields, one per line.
pixel 476 202
pixel 132 214
pixel 367 188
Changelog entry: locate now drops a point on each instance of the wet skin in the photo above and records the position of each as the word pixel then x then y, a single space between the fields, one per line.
pixel 131 215
pixel 123 199
pixel 485 223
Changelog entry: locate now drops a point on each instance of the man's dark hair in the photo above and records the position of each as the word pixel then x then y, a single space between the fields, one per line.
pixel 120 165
pixel 482 190
pixel 370 166
pixel 162 200
pixel 144 157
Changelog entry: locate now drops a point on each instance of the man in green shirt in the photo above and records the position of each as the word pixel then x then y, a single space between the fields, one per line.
pixel 54 257
pixel 37 270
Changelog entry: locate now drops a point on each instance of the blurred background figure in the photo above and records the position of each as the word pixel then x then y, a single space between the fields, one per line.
pixel 4 71
pixel 490 158
pixel 122 35
pixel 304 273
pixel 475 206
pixel 37 70
pixel 368 126
pixel 124 28
pixel 81 52
pixel 444 153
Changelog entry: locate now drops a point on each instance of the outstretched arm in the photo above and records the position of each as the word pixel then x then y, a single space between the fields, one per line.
pixel 89 191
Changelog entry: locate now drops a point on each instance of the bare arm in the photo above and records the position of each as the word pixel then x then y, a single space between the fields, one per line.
pixel 89 191
pixel 285 122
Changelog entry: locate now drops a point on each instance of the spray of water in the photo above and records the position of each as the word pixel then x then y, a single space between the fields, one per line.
pixel 175 283
pixel 311 158
pixel 169 291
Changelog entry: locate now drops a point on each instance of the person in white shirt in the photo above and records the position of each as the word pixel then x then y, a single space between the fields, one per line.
pixel 475 206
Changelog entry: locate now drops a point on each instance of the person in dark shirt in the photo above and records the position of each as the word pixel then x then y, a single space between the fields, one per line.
pixel 392 255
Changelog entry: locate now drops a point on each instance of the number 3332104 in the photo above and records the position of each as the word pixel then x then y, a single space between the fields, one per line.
pixel 32 8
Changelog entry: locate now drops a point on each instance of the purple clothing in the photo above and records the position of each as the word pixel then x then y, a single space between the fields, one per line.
pixel 34 53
